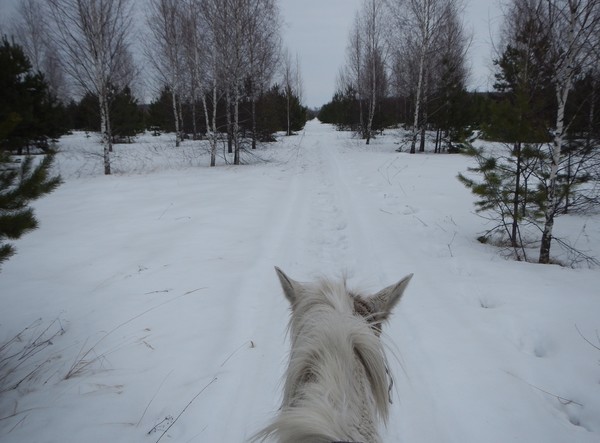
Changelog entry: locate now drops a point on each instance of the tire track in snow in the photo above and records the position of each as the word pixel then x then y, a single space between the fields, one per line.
pixel 261 310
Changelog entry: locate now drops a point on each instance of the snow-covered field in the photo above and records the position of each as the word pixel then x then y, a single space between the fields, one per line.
pixel 156 287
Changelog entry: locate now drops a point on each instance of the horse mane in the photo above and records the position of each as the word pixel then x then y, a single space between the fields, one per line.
pixel 333 345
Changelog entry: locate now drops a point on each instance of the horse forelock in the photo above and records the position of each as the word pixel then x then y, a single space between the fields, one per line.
pixel 330 338
pixel 337 383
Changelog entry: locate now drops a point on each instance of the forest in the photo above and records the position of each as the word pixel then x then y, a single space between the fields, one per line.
pixel 217 68
pixel 220 73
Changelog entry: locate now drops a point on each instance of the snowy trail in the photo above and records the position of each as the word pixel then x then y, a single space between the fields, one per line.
pixel 315 230
pixel 350 231
pixel 171 275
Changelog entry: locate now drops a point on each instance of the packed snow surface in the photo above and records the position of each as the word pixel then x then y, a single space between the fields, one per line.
pixel 146 308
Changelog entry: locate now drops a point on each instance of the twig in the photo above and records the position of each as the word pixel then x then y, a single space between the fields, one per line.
pixel 165 211
pixel 562 400
pixel 235 352
pixel 153 397
pixel 588 341
pixel 577 255
pixel 184 409
pixel 424 224
pixel 16 413
pixel 157 292
pixel 17 424
pixel 450 244
pixel 194 290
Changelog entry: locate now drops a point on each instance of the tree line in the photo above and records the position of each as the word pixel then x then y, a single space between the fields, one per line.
pixel 406 65
pixel 220 63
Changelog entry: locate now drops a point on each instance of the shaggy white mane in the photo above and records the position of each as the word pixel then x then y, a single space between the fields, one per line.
pixel 337 382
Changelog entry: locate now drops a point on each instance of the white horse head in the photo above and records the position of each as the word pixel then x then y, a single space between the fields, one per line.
pixel 337 386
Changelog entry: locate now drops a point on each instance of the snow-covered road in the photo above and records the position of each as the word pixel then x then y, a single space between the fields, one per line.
pixel 170 312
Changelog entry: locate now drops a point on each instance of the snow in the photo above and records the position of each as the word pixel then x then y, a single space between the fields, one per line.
pixel 157 285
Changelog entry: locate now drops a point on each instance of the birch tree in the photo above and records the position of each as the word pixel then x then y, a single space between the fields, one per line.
pixel 234 59
pixel 92 37
pixel 419 23
pixel 194 28
pixel 288 76
pixel 373 15
pixel 449 79
pixel 352 74
pixel 211 67
pixel 364 72
pixel 263 49
pixel 229 22
pixel 164 51
pixel 31 31
pixel 574 26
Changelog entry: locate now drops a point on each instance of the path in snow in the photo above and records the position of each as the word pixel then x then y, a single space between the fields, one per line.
pixel 449 344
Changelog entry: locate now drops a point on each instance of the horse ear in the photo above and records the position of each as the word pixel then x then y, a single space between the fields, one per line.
pixel 289 286
pixel 385 300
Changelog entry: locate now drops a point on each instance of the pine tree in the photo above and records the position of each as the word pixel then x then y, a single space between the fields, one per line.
pixel 19 185
pixel 160 112
pixel 520 122
pixel 26 109
pixel 29 113
pixel 127 118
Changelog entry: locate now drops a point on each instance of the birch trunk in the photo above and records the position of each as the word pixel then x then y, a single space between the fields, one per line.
pixel 236 126
pixel 213 144
pixel 425 29
pixel 555 157
pixel 289 128
pixel 253 121
pixel 564 82
pixel 517 191
pixel 373 97
pixel 176 117
pixel 194 125
pixel 208 128
pixel 229 125
pixel 106 145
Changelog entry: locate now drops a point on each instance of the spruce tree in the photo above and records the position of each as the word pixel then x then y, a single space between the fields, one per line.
pixel 160 112
pixel 126 116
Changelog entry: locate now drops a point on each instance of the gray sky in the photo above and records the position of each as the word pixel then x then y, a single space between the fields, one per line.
pixel 317 30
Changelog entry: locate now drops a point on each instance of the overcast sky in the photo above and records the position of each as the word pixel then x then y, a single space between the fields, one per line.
pixel 317 31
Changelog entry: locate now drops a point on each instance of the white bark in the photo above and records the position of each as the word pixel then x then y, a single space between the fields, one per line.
pixel 164 51
pixel 418 26
pixel 288 84
pixel 92 36
pixel 576 24
pixel 373 24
